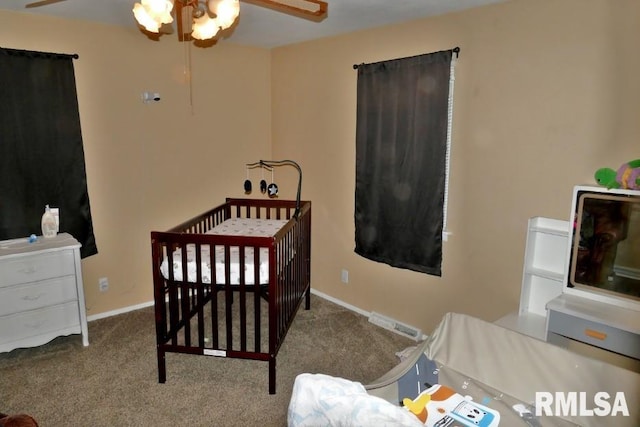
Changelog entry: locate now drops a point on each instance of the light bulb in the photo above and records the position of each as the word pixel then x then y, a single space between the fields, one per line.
pixel 205 28
pixel 160 10
pixel 226 11
pixel 145 19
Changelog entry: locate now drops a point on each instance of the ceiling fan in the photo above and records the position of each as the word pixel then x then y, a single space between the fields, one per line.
pixel 202 19
pixel 41 3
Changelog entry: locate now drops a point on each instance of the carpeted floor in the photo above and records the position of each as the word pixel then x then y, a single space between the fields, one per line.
pixel 114 382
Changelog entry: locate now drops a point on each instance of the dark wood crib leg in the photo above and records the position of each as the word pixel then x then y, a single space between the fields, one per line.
pixel 272 375
pixel 162 367
pixel 307 299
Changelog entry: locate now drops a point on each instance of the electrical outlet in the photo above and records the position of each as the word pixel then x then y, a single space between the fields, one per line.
pixel 344 276
pixel 103 284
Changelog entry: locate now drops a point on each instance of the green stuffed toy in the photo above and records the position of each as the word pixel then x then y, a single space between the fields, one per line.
pixel 626 177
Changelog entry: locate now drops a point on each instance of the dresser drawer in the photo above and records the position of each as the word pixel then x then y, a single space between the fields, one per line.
pixel 593 333
pixel 49 321
pixel 30 296
pixel 32 268
pixel 41 294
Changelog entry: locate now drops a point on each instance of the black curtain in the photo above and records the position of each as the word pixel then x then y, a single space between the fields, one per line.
pixel 41 152
pixel 401 148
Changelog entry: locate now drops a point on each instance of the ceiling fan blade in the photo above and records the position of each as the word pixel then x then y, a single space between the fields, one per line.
pixel 41 3
pixel 314 10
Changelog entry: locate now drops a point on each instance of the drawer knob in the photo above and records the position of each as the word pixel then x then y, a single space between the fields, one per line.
pixel 32 297
pixel 595 334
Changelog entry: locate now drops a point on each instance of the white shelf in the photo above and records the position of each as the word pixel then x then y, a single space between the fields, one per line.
pixel 544 264
pixel 547 274
pixel 542 276
pixel 550 313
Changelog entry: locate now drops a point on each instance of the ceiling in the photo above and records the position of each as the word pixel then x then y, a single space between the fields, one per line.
pixel 263 27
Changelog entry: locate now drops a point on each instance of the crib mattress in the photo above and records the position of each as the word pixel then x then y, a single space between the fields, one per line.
pixel 247 227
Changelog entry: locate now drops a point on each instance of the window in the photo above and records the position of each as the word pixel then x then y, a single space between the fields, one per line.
pixel 41 151
pixel 402 138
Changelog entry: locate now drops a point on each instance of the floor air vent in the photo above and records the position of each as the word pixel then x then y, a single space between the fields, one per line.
pixel 395 326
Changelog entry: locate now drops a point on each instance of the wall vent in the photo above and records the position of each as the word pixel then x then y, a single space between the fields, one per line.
pixel 395 326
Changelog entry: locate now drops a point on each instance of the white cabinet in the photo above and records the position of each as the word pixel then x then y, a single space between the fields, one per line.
pixel 544 264
pixel 542 276
pixel 548 313
pixel 41 291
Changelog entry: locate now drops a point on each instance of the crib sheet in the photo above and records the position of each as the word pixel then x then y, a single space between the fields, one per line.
pixel 247 227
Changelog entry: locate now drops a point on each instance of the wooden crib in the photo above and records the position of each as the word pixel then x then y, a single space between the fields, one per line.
pixel 221 294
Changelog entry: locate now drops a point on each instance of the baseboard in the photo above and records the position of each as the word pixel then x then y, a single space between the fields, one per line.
pixel 150 304
pixel 416 333
pixel 340 302
pixel 119 311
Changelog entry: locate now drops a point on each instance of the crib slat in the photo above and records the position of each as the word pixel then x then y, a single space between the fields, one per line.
pixel 184 299
pixel 242 290
pixel 228 297
pixel 257 317
pixel 198 295
pixel 215 337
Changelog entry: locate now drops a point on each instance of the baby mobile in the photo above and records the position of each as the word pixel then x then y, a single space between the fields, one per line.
pixel 272 189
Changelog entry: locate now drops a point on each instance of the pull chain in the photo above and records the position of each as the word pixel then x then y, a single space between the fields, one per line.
pixel 188 73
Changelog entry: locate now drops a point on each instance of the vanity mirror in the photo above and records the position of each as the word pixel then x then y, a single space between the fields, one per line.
pixel 604 252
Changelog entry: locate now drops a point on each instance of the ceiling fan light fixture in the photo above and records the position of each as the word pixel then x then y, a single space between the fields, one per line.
pixel 203 19
pixel 160 9
pixel 225 11
pixel 205 28
pixel 151 14
pixel 144 18
pixel 198 12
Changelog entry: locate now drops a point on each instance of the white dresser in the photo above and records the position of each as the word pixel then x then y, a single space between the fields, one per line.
pixel 41 291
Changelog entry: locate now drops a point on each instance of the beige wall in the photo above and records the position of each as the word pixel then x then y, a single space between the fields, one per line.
pixel 150 167
pixel 545 94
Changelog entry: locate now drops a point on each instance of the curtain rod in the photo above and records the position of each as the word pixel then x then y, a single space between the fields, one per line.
pixel 35 54
pixel 455 50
